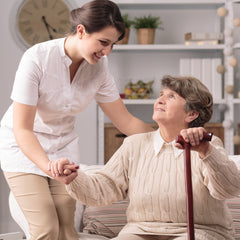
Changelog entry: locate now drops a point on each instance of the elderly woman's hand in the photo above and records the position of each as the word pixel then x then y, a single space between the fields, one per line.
pixel 194 136
pixel 66 179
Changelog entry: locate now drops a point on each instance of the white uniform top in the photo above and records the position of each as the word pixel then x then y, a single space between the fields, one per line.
pixel 43 79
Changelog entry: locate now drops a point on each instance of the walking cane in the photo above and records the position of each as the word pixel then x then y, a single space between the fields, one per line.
pixel 188 181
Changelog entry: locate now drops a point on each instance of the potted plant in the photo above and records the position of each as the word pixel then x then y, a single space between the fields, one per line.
pixel 128 23
pixel 146 27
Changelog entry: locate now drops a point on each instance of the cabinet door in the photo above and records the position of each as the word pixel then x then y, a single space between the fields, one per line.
pixel 113 139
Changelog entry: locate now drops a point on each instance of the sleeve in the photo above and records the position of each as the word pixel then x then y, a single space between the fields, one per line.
pixel 105 186
pixel 107 91
pixel 26 83
pixel 221 175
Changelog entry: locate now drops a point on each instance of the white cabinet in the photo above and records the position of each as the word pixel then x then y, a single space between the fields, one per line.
pixel 151 62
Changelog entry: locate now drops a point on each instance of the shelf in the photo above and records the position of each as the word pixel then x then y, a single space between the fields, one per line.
pixel 139 101
pixel 152 101
pixel 167 47
pixel 179 4
pixel 184 2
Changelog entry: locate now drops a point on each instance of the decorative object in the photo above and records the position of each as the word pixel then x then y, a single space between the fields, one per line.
pixel 128 23
pixel 38 21
pixel 236 139
pixel 139 90
pixel 236 22
pixel 229 89
pixel 232 61
pixel 222 12
pixel 227 123
pixel 221 69
pixel 146 27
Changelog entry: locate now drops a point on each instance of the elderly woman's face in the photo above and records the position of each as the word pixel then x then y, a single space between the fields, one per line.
pixel 169 108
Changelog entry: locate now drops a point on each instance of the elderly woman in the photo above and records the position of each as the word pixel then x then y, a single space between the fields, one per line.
pixel 149 169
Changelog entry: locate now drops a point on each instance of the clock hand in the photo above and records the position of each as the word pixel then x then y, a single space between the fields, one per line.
pixel 48 27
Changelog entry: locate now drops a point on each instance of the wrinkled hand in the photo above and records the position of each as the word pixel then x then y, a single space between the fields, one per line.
pixel 66 179
pixel 194 136
pixel 63 170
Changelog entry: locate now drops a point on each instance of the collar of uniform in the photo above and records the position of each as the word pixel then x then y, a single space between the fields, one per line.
pixel 66 59
pixel 158 144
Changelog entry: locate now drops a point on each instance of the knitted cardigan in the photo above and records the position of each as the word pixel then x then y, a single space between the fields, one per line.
pixel 153 179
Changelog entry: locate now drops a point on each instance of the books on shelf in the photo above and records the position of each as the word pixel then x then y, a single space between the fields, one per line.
pixel 201 36
pixel 205 70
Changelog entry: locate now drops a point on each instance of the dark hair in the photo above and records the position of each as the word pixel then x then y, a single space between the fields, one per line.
pixel 96 15
pixel 196 94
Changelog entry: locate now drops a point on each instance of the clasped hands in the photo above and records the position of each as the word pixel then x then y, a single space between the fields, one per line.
pixel 62 170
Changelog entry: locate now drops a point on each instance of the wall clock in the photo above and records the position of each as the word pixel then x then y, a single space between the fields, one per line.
pixel 41 20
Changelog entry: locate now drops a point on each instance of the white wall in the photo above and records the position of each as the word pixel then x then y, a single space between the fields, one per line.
pixel 10 55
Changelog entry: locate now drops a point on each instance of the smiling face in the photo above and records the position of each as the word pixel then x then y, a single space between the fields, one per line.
pixel 169 109
pixel 98 44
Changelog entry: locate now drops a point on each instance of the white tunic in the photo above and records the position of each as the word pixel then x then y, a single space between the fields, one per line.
pixel 43 79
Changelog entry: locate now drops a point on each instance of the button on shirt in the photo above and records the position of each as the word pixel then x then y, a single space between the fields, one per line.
pixel 43 79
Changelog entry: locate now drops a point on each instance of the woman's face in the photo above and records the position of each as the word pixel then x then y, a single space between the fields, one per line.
pixel 95 45
pixel 169 109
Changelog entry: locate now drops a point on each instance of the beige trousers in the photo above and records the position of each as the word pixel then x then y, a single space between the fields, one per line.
pixel 46 205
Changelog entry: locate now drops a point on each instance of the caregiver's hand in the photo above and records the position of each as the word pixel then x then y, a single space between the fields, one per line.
pixel 61 166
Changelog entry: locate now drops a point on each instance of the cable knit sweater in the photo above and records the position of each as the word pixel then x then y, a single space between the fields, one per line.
pixel 151 173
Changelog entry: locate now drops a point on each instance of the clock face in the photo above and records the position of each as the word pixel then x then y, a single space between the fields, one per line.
pixel 42 20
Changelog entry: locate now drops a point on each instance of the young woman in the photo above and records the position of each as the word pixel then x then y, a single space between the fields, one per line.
pixel 54 82
pixel 149 169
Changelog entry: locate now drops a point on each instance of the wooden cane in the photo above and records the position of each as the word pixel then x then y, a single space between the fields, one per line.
pixel 188 181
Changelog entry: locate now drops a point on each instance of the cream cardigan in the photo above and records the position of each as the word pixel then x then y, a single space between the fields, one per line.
pixel 151 173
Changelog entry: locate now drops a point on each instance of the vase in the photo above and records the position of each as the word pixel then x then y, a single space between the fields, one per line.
pixel 146 35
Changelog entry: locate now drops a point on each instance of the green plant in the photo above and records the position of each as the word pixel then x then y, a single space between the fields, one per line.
pixel 127 22
pixel 147 22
